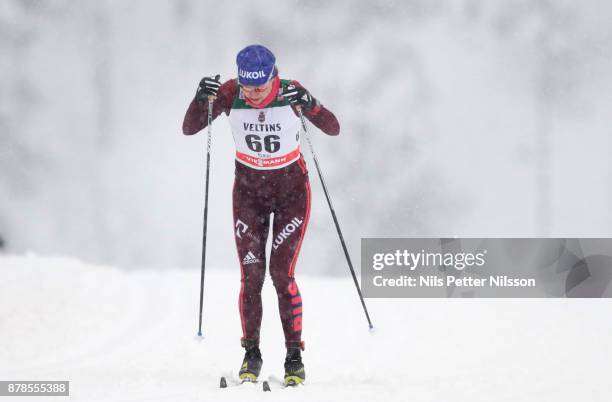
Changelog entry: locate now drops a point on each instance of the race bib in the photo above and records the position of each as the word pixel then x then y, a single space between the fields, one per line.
pixel 267 138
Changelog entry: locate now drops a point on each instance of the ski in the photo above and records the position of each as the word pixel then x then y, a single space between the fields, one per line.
pixel 289 383
pixel 229 382
pixel 223 383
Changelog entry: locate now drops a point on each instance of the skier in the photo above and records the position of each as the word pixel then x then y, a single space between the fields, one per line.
pixel 270 179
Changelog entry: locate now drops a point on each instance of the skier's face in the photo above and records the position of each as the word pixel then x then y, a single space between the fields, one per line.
pixel 257 94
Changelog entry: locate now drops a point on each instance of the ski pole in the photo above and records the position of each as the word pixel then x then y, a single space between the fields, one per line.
pixel 210 112
pixel 333 212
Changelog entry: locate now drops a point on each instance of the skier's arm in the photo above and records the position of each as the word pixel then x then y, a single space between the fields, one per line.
pixel 319 115
pixel 196 117
pixel 324 120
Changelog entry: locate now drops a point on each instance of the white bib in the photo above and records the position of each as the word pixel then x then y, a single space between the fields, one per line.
pixel 267 138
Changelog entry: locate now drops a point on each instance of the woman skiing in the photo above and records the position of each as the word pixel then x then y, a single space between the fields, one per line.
pixel 270 180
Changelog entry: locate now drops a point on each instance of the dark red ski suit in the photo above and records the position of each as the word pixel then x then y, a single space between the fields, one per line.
pixel 258 194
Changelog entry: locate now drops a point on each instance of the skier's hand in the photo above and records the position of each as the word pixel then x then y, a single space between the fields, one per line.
pixel 299 96
pixel 209 86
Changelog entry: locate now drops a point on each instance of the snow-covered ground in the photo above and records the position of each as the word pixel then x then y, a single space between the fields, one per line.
pixel 130 336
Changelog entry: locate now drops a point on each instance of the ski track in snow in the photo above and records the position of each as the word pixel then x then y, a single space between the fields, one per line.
pixel 130 336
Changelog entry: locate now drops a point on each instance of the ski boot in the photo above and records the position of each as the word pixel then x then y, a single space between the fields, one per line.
pixel 251 365
pixel 294 368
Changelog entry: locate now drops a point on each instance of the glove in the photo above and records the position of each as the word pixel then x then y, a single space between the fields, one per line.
pixel 298 96
pixel 209 86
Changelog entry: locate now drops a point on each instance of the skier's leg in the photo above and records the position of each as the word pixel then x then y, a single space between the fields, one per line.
pixel 251 223
pixel 290 221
